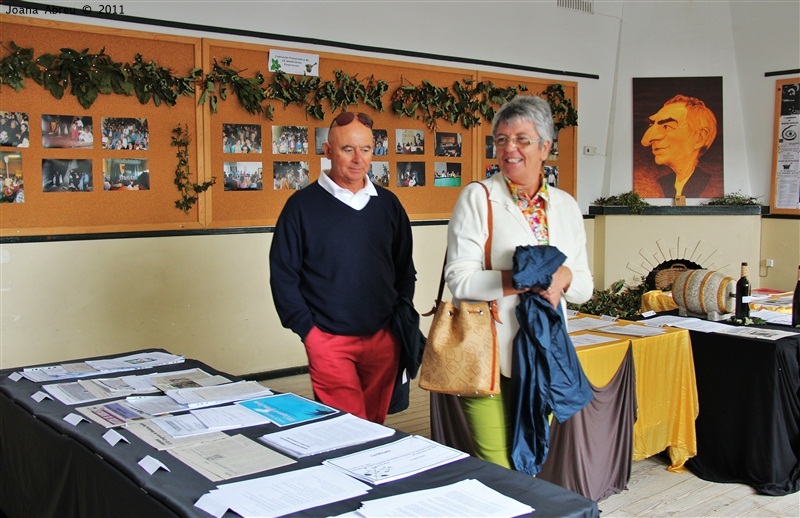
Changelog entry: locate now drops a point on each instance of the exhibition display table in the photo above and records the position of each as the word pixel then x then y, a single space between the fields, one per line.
pixel 49 467
pixel 749 429
pixel 591 453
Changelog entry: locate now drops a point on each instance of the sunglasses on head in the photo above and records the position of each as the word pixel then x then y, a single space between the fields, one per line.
pixel 345 118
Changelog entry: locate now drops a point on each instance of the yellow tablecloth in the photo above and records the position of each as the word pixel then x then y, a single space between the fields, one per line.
pixel 665 389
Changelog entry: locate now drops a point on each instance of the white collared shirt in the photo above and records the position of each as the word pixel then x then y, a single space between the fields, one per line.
pixel 356 200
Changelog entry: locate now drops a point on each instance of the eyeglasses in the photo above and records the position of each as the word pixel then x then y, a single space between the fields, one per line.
pixel 520 142
pixel 345 118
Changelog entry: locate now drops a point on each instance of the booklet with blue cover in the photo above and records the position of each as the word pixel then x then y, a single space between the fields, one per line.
pixel 286 409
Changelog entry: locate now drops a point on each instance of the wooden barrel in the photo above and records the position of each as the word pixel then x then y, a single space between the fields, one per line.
pixel 704 292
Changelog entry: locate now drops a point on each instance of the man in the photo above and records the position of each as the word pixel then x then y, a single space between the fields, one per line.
pixel 679 133
pixel 340 260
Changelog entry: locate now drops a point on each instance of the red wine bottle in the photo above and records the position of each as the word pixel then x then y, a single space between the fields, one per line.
pixel 743 295
pixel 796 302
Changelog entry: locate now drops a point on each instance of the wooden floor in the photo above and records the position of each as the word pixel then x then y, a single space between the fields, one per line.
pixel 652 490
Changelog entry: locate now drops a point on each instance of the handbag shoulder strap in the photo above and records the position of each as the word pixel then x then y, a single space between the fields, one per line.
pixel 487 253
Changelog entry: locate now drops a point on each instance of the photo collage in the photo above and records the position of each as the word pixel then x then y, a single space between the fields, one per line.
pixel 59 131
pixel 292 172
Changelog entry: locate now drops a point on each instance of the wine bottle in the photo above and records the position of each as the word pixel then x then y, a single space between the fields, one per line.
pixel 743 295
pixel 796 302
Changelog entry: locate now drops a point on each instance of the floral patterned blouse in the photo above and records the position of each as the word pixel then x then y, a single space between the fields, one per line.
pixel 533 208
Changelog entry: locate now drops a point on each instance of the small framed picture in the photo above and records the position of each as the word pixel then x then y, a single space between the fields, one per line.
pixel 290 175
pixel 410 174
pixel 11 177
pixel 14 129
pixel 66 175
pixel 125 133
pixel 243 176
pixel 290 140
pixel 410 142
pixel 446 174
pixel 67 131
pixel 126 174
pixel 241 138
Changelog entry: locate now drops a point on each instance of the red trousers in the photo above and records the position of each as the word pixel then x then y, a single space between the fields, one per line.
pixel 355 374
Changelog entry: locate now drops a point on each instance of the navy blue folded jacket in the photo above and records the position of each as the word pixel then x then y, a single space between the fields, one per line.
pixel 546 374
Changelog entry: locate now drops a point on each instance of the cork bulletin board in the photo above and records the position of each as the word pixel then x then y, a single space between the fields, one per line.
pixel 785 195
pixel 55 201
pixel 257 162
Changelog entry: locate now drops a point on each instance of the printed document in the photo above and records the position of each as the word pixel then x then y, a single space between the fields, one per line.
pixel 217 395
pixel 113 413
pixel 590 339
pixel 464 498
pixel 229 457
pixel 633 330
pixel 284 493
pixel 161 440
pixel 332 434
pixel 758 333
pixel 396 460
pixel 286 409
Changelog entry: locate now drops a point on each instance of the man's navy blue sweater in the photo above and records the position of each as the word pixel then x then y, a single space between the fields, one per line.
pixel 339 268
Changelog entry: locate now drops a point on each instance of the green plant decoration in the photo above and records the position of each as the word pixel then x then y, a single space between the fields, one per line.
pixel 619 300
pixel 188 189
pixel 87 75
pixel 564 112
pixel 472 103
pixel 736 198
pixel 215 85
pixel 151 81
pixel 747 321
pixel 310 91
pixel 630 199
pixel 18 65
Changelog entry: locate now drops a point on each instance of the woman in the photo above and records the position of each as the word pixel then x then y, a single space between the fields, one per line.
pixel 526 211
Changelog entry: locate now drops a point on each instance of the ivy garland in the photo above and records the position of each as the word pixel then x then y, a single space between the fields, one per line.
pixel 188 189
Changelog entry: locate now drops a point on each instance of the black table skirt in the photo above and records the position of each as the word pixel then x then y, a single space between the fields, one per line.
pixel 51 468
pixel 748 429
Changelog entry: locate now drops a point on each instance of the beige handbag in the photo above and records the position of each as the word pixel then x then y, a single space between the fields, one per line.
pixel 462 354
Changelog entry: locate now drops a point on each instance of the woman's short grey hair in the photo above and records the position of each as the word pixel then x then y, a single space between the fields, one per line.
pixel 528 108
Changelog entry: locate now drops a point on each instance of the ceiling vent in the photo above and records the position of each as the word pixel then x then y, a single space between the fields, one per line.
pixel 584 6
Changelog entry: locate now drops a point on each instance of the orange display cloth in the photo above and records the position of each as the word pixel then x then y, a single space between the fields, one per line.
pixel 666 390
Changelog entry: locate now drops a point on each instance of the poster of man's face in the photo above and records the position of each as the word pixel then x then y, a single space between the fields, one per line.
pixel 677 137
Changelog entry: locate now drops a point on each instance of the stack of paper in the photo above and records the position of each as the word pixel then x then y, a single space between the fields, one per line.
pixel 282 494
pixel 396 460
pixel 102 366
pixel 217 395
pixel 332 434
pixel 465 498
pixel 229 457
pixel 207 420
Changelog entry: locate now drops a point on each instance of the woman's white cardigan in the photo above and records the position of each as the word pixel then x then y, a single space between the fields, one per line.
pixel 466 236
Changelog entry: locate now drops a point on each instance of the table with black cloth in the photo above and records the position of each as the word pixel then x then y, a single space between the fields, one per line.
pixel 749 428
pixel 49 467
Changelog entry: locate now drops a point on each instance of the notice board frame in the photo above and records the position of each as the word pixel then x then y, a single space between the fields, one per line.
pixel 786 144
pixel 96 212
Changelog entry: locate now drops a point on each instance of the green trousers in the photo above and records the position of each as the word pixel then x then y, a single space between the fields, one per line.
pixel 489 421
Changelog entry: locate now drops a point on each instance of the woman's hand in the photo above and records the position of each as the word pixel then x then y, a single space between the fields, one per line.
pixel 562 278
